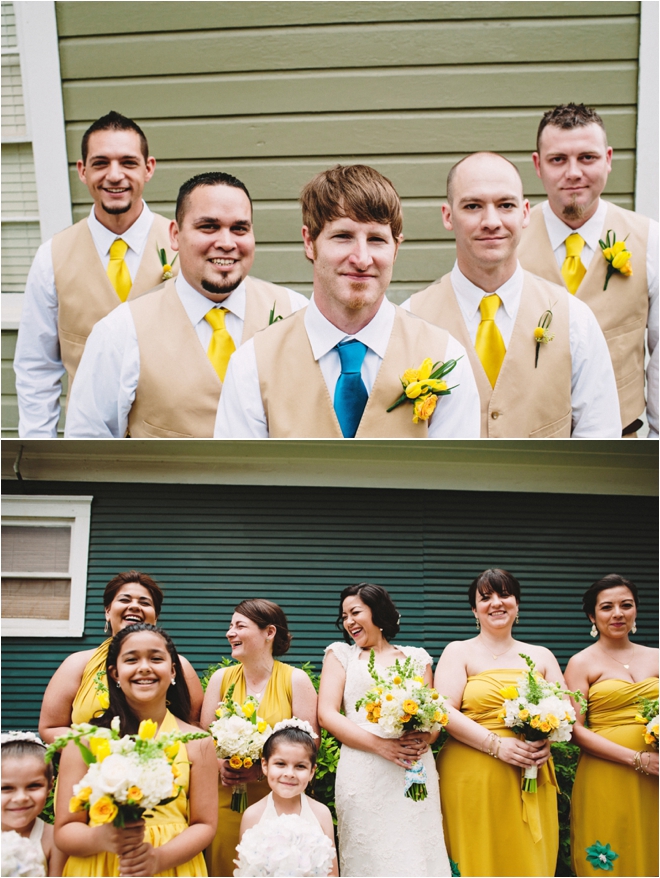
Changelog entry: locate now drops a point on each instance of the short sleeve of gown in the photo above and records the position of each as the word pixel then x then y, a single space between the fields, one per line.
pixel 420 656
pixel 341 651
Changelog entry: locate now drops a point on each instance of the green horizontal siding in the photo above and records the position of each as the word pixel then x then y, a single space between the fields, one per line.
pixel 213 546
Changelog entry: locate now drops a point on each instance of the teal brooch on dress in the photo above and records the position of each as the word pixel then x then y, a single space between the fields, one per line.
pixel 601 856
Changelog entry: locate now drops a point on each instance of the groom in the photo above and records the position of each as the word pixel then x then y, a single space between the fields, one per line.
pixel 334 369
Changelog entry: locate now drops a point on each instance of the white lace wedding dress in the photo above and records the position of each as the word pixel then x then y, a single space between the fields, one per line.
pixel 381 832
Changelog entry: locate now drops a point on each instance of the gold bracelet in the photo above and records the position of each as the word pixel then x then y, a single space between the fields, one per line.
pixel 638 762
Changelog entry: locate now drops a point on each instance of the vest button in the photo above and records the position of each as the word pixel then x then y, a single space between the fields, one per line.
pixel 494 415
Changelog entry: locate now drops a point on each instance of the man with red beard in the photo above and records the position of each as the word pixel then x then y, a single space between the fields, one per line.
pixel 334 369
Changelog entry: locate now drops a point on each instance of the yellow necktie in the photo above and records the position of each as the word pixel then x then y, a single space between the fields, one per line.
pixel 572 270
pixel 222 344
pixel 118 270
pixel 489 343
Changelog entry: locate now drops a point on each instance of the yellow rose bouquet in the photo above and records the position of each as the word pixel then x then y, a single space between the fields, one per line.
pixel 239 735
pixel 648 716
pixel 423 388
pixel 536 709
pixel 126 775
pixel 400 702
pixel 617 256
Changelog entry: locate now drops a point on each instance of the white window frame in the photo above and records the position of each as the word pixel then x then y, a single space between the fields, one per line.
pixel 50 511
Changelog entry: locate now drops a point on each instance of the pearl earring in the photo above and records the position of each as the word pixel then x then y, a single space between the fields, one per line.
pixel 594 630
pixel 173 681
pixel 118 685
pixel 633 630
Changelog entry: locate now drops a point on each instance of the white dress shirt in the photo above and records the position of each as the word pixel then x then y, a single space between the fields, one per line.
pixel 107 378
pixel 594 397
pixel 591 231
pixel 38 362
pixel 241 413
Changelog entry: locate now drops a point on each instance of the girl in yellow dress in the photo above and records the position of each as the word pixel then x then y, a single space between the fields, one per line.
pixel 258 632
pixel 72 695
pixel 491 826
pixel 615 796
pixel 145 675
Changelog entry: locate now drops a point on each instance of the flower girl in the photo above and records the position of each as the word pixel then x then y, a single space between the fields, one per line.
pixel 287 833
pixel 28 846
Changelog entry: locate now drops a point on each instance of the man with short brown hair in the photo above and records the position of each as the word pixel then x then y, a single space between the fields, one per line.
pixel 561 244
pixel 334 370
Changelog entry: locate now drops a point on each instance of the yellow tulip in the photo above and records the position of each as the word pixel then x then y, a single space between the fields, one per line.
pixel 172 750
pixel 103 810
pixel 248 709
pixel 618 247
pixel 262 726
pixel 509 692
pixel 419 679
pixel 104 700
pixel 147 729
pixel 620 259
pixel 608 254
pixel 413 390
pixel 640 719
pixel 100 748
pixel 425 369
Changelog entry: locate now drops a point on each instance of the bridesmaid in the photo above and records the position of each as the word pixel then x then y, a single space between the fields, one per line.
pixel 491 827
pixel 615 762
pixel 258 632
pixel 71 695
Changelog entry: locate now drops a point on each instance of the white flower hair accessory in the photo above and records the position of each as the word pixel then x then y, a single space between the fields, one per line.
pixel 295 723
pixel 7 737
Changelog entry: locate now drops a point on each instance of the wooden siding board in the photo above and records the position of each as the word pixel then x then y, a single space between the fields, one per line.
pixel 301 546
pixel 384 45
pixel 125 18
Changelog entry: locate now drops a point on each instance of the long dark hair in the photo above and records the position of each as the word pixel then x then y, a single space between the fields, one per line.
pixel 178 696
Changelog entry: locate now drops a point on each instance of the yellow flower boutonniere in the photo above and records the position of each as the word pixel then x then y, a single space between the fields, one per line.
pixel 541 333
pixel 102 693
pixel 167 266
pixel 617 256
pixel 423 386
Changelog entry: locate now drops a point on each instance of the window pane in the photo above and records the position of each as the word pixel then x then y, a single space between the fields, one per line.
pixel 35 549
pixel 35 598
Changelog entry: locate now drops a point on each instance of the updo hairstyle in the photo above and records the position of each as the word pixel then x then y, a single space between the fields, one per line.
pixel 21 747
pixel 129 577
pixel 290 735
pixel 384 613
pixel 264 613
pixel 612 580
pixel 494 580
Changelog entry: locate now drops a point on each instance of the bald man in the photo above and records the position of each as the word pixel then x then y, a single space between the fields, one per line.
pixel 540 359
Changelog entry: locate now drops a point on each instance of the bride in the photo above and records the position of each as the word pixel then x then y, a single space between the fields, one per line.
pixel 381 832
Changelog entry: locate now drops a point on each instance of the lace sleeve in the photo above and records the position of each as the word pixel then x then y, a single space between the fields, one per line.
pixel 341 651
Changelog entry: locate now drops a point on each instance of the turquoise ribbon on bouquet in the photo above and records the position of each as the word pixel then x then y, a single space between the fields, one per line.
pixel 415 774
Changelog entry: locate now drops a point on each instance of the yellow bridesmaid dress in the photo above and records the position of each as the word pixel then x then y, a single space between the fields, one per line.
pixel 86 704
pixel 611 803
pixel 491 826
pixel 274 706
pixel 164 824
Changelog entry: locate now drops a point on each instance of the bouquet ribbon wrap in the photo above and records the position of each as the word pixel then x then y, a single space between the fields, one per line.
pixel 415 774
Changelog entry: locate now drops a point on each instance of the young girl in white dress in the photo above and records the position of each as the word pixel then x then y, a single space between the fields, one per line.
pixel 26 782
pixel 288 764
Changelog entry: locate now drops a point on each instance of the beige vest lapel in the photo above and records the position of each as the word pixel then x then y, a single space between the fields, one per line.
pixel 295 395
pixel 526 401
pixel 84 292
pixel 621 310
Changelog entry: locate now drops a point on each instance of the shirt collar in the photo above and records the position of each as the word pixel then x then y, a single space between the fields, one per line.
pixel 197 306
pixel 136 236
pixel 471 295
pixel 591 231
pixel 324 336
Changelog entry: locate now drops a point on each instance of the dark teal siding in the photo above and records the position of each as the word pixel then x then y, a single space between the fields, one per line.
pixel 212 546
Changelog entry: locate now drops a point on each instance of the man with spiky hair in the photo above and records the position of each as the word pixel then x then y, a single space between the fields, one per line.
pixel 562 244
pixel 87 270
pixel 154 368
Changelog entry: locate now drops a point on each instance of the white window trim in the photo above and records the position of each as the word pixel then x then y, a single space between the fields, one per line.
pixel 647 179
pixel 49 510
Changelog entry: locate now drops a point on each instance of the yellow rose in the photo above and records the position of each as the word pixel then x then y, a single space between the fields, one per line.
pixel 509 692
pixel 424 408
pixel 369 706
pixel 441 718
pixel 535 722
pixel 396 680
pixel 376 712
pixel 409 376
pixel 172 750
pixel 100 748
pixel 247 762
pixel 103 810
pixel 410 706
pixel 405 718
pixel 262 726
pixel 626 270
pixel 76 804
pixel 552 720
pixel 147 729
pixel 84 794
pixel 248 709
pixel 649 737
pixel 135 793
pixel 104 699
pixel 621 258
pixel 523 714
pixel 236 762
pixel 545 726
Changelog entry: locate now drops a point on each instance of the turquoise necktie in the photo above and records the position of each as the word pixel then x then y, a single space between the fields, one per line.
pixel 350 393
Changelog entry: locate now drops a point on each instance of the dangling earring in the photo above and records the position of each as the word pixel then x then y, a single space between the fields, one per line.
pixel 173 681
pixel 517 618
pixel 105 630
pixel 477 623
pixel 633 630
pixel 594 630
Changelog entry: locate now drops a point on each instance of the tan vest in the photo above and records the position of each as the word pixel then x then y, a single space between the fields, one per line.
pixel 178 390
pixel 84 292
pixel 527 401
pixel 295 396
pixel 621 310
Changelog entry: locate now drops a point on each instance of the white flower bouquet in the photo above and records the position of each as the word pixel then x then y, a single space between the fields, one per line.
pixel 401 702
pixel 20 856
pixel 536 709
pixel 287 846
pixel 239 735
pixel 648 716
pixel 126 775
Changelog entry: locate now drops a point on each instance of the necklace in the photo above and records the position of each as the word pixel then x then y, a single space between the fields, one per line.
pixel 626 666
pixel 495 654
